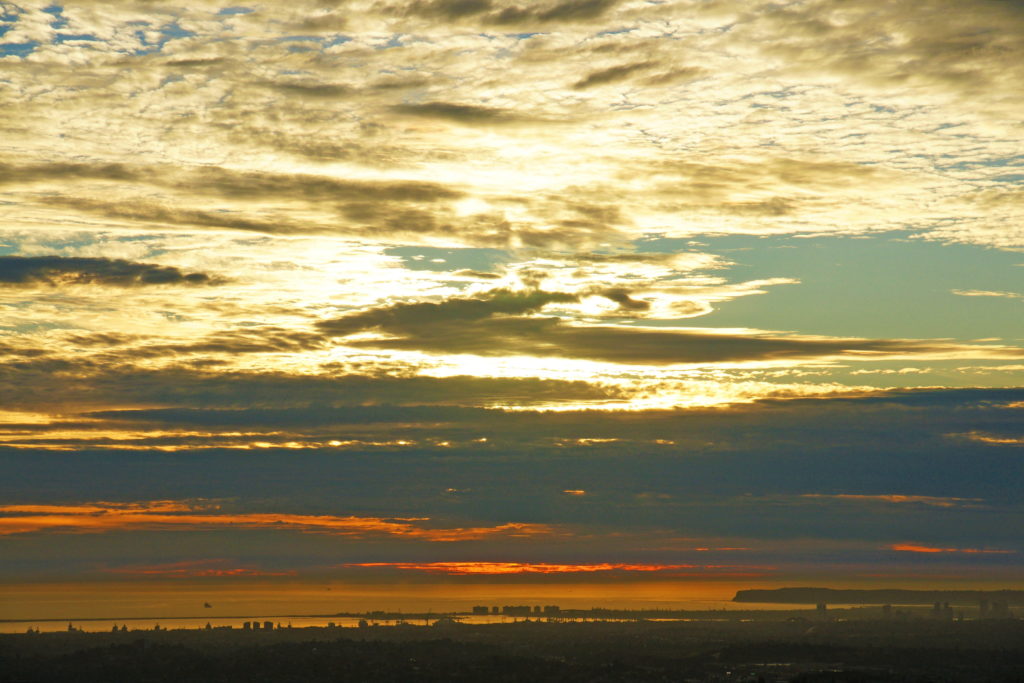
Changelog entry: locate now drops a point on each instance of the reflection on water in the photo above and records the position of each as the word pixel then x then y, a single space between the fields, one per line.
pixel 165 600
pixel 98 607
pixel 101 625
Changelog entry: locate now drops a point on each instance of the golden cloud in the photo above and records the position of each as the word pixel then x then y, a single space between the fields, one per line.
pixel 108 517
pixel 918 548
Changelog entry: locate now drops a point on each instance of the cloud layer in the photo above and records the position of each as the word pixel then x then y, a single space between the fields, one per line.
pixel 466 289
pixel 56 270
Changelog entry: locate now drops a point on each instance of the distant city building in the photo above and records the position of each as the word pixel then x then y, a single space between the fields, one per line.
pixel 480 609
pixel 552 609
pixel 999 610
pixel 247 626
pixel 516 610
pixel 495 610
pixel 942 610
pixel 268 626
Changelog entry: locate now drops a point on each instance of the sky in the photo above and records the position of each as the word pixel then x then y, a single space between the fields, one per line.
pixel 631 300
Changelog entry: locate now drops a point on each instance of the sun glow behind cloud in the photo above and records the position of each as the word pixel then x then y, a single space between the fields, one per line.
pixel 507 568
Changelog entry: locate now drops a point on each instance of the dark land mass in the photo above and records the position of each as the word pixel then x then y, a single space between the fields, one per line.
pixel 902 647
pixel 834 596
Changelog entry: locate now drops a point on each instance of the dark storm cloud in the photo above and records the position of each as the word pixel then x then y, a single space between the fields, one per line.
pixel 58 270
pixel 257 339
pixel 260 201
pixel 659 258
pixel 329 22
pixel 937 43
pixel 783 186
pixel 896 418
pixel 20 351
pixel 197 62
pixel 219 198
pixel 552 337
pixel 380 219
pixel 449 9
pixel 567 236
pixel 494 325
pixel 235 184
pixel 32 173
pixel 365 152
pixel 232 184
pixel 480 275
pixel 729 178
pixel 489 12
pixel 611 75
pixel 675 75
pixel 172 213
pixel 571 10
pixel 459 113
pixel 622 298
pixel 110 380
pixel 311 416
pixel 776 206
pixel 410 317
pixel 323 91
pixel 393 82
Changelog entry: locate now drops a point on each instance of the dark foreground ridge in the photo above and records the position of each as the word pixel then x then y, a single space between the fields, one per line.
pixel 834 596
pixel 792 649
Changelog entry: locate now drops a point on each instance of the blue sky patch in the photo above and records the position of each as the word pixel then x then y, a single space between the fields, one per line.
pixel 442 260
pixel 65 37
pixel 59 21
pixel 881 286
pixel 168 32
pixel 18 49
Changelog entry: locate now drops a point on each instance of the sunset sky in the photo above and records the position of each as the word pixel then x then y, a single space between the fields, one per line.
pixel 483 297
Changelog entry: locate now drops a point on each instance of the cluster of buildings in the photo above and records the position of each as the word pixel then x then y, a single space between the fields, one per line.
pixel 994 610
pixel 942 610
pixel 519 610
pixel 986 610
pixel 255 626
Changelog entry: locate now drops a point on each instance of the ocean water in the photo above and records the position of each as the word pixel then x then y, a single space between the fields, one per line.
pixel 106 625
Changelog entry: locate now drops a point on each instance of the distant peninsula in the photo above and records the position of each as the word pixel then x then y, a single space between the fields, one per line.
pixel 885 596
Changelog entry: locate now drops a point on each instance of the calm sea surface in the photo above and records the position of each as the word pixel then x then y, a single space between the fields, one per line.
pixel 148 624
